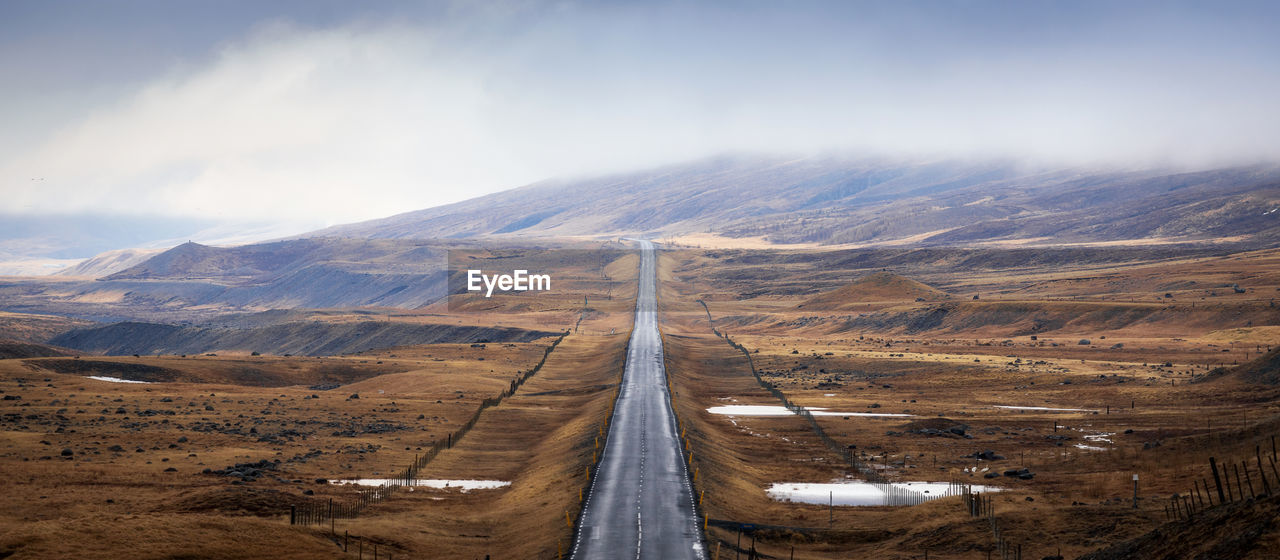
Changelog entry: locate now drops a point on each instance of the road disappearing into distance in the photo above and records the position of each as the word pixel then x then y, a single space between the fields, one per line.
pixel 641 504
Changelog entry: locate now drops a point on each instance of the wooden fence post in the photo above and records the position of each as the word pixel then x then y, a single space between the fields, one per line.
pixel 1213 464
pixel 1239 487
pixel 1266 486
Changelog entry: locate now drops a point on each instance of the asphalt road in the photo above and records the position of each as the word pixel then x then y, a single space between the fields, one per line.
pixel 641 504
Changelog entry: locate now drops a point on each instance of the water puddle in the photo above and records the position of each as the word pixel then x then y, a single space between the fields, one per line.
pixel 859 493
pixel 767 410
pixel 1045 408
pixel 114 379
pixel 464 485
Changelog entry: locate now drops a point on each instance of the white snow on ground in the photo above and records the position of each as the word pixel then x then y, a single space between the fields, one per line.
pixel 854 493
pixel 767 410
pixel 1100 437
pixel 463 485
pixel 114 379
pixel 1046 408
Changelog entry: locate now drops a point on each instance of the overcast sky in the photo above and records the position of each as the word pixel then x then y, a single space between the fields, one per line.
pixel 328 112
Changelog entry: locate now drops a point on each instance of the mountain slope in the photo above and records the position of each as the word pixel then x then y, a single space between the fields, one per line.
pixel 862 200
pixel 193 280
pixel 110 262
pixel 309 338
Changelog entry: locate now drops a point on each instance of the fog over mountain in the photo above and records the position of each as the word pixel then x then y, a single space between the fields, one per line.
pixel 840 200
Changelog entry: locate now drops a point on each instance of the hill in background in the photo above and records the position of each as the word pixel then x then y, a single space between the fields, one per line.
pixel 313 338
pixel 879 287
pixel 1265 370
pixel 842 200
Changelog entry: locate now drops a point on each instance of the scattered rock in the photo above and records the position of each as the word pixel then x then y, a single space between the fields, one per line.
pixel 987 455
pixel 246 472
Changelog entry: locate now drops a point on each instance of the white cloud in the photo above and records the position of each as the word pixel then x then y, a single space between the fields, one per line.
pixel 365 120
pixel 344 124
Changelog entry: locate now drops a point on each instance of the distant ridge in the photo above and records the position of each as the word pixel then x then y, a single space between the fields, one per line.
pixel 862 200
pixel 110 262
pixel 875 287
pixel 12 349
pixel 305 338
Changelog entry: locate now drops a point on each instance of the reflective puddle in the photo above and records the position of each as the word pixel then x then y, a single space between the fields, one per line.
pixel 463 485
pixel 859 493
pixel 766 410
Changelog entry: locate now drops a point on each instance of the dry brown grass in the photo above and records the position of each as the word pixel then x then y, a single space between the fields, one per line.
pixel 542 438
pixel 420 394
pixel 1082 498
pixel 217 411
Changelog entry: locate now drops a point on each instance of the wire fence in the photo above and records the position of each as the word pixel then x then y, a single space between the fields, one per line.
pixel 319 513
pixel 895 495
pixel 1233 481
pixel 979 505
pixel 843 451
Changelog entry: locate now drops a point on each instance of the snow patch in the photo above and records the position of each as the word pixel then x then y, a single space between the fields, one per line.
pixel 767 410
pixel 1046 408
pixel 463 485
pixel 114 379
pixel 859 493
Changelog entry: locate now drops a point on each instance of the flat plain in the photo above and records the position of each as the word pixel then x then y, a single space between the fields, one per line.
pixel 1083 366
